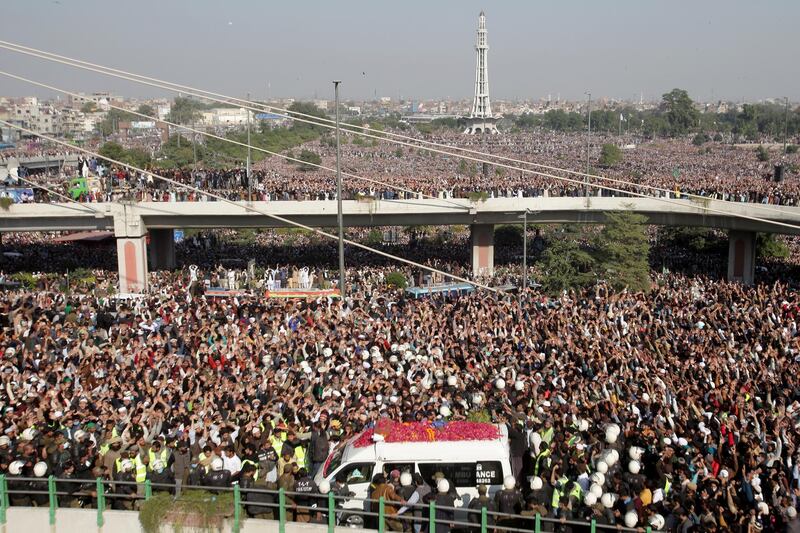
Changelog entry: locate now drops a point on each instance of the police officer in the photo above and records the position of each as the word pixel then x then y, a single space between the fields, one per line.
pixel 218 477
pixel 483 500
pixel 508 501
pixel 305 488
pixel 161 475
pixel 247 482
pixel 18 489
pixel 127 489
pixel 40 473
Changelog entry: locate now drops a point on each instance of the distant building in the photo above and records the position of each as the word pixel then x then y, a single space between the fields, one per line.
pixel 33 116
pixel 224 116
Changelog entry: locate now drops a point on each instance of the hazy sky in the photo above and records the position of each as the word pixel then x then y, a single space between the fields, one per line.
pixel 730 49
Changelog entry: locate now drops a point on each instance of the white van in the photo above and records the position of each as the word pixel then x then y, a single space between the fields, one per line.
pixel 465 464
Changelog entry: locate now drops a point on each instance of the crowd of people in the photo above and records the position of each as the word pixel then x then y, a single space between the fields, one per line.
pixel 676 408
pixel 666 168
pixel 698 376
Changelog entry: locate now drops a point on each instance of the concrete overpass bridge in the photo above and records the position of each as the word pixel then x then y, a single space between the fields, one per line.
pixel 41 161
pixel 133 222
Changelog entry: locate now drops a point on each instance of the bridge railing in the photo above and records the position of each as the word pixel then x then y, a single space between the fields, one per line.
pixel 324 509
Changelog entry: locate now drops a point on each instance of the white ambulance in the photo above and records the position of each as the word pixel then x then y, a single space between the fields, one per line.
pixel 464 463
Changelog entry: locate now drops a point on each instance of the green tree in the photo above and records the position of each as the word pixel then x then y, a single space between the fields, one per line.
pixel 396 279
pixel 310 159
pixel 762 154
pixel 112 150
pixel 768 246
pixel 700 139
pixel 564 264
pixel 374 237
pixel 622 251
pixel 110 124
pixel 185 110
pixel 88 107
pixel 610 155
pixel 148 110
pixel 307 108
pixel 679 111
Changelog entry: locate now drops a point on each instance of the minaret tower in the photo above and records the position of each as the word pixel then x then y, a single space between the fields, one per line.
pixel 481 119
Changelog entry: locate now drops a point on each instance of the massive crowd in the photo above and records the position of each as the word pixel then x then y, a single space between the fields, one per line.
pixel 675 166
pixel 676 408
pixel 700 377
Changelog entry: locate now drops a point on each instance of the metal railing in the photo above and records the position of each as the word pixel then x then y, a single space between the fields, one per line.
pixel 321 509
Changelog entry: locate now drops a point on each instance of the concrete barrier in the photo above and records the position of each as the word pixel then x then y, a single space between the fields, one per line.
pixel 37 520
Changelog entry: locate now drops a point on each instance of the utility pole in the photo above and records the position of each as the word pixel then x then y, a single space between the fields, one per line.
pixel 339 194
pixel 524 250
pixel 588 136
pixel 785 125
pixel 249 183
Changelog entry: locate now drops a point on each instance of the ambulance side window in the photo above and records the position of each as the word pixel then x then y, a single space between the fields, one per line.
pixel 356 473
pixel 401 467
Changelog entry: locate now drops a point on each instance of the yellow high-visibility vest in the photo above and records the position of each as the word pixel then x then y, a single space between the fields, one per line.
pixel 162 455
pixel 141 469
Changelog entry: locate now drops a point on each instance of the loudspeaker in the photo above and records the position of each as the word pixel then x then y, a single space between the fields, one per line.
pixel 778 175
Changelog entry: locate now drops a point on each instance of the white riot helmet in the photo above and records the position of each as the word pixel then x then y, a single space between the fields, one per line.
pixel 631 518
pixel 451 381
pixel 15 468
pixel 500 384
pixel 634 467
pixel 405 479
pixel 763 508
pixel 607 500
pixel 611 436
pixel 445 411
pixel 657 522
pixel 324 486
pixel 127 465
pixel 158 465
pixel 519 385
pixel 599 478
pixel 602 467
pixel 635 453
pixel 612 457
pixel 40 469
pixel 509 482
pixel 536 483
pixel 216 464
pixel 596 489
pixel 28 435
pixel 443 486
pixel 590 499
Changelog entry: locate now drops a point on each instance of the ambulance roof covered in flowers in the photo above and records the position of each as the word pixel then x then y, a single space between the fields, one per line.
pixel 397 432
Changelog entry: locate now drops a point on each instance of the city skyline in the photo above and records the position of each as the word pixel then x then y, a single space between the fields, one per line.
pixel 426 53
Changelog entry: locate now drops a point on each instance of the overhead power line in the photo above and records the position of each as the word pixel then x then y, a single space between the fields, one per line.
pixel 180 88
pixel 246 207
pixel 329 123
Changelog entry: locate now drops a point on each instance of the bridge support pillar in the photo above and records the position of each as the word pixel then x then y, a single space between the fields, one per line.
pixel 162 249
pixel 132 264
pixel 741 256
pixel 482 249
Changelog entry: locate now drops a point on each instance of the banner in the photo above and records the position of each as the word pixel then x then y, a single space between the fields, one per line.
pixel 18 196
